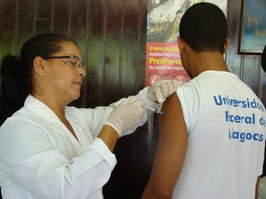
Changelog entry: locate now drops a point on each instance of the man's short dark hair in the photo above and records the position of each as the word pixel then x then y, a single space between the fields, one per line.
pixel 203 27
pixel 263 59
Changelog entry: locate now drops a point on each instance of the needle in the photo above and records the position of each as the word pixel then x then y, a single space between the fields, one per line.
pixel 154 109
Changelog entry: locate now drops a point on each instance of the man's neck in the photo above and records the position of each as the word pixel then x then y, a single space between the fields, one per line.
pixel 204 61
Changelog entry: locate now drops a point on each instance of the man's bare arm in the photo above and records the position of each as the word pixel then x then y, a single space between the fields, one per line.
pixel 170 152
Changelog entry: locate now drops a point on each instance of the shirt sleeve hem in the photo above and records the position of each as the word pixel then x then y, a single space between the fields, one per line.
pixel 99 146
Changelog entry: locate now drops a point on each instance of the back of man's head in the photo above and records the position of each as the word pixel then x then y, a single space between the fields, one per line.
pixel 203 27
pixel 263 59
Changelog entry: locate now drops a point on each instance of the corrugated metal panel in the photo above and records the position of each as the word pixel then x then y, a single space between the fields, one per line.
pixel 247 67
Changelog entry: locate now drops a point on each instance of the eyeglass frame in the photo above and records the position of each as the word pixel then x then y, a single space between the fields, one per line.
pixel 73 65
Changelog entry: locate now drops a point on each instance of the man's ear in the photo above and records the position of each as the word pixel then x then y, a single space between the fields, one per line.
pixel 226 44
pixel 38 65
pixel 180 44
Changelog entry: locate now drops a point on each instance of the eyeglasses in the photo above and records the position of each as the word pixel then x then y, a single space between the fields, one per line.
pixel 74 63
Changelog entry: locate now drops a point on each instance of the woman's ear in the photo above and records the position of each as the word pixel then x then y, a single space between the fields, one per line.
pixel 38 65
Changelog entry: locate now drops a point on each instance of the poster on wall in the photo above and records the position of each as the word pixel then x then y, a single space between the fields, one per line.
pixel 162 54
pixel 253 27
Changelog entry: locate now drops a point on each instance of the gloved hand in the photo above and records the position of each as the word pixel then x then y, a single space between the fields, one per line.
pixel 160 90
pixel 126 115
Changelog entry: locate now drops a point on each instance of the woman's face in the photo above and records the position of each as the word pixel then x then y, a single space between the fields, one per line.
pixel 64 76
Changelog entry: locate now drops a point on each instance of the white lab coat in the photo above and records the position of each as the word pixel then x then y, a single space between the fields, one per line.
pixel 41 159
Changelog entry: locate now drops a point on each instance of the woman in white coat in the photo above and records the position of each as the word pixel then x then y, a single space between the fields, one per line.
pixel 47 148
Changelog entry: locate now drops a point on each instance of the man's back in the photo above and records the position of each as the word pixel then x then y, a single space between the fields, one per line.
pixel 226 131
pixel 212 134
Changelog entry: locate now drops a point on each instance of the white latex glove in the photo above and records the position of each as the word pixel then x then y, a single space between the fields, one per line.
pixel 160 90
pixel 126 115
